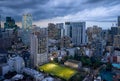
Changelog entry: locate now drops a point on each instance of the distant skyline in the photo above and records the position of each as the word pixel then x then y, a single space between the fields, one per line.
pixel 95 12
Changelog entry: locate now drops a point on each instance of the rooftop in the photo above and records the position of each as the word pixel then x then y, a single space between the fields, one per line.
pixel 116 65
pixel 73 61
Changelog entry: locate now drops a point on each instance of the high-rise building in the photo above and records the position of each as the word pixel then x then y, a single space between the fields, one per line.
pixel 53 31
pixel 118 24
pixel 118 21
pixel 0 28
pixel 66 42
pixel 93 33
pixel 76 30
pixel 27 21
pixel 26 26
pixel 104 35
pixel 10 23
pixel 113 32
pixel 61 31
pixel 116 43
pixel 39 47
pixel 0 22
pixel 97 45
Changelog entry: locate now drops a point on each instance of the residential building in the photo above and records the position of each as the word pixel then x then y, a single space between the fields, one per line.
pixel 66 42
pixel 97 45
pixel 4 68
pixel 53 31
pixel 93 33
pixel 16 64
pixel 54 34
pixel 7 39
pixel 33 73
pixel 39 47
pixel 116 43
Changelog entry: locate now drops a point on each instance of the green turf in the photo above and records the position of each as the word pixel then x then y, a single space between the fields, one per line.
pixel 58 70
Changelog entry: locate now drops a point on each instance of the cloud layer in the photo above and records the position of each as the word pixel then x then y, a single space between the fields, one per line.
pixel 61 10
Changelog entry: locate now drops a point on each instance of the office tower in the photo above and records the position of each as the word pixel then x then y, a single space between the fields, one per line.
pixel 113 32
pixel 118 24
pixel 116 43
pixel 68 29
pixel 26 26
pixel 76 30
pixel 10 23
pixel 39 47
pixel 27 21
pixel 61 31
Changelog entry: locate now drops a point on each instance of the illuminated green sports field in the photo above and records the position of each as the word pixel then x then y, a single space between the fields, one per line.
pixel 58 70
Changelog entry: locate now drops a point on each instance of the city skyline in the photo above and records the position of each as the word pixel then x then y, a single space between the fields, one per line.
pixel 101 12
pixel 56 40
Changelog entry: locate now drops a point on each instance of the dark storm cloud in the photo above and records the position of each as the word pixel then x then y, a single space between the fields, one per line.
pixel 47 9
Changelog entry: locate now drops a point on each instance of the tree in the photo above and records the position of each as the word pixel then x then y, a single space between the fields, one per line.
pixel 70 57
pixel 109 67
pixel 55 59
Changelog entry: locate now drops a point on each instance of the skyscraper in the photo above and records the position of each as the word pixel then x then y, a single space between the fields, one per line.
pixel 39 47
pixel 61 30
pixel 76 30
pixel 27 21
pixel 26 26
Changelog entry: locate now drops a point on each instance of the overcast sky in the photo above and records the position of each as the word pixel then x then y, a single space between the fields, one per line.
pixel 94 12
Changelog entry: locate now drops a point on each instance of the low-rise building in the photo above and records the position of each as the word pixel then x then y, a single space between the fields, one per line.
pixel 16 64
pixel 4 68
pixel 33 73
pixel 17 77
pixel 73 64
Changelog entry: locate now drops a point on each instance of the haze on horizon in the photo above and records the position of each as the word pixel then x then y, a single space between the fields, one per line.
pixel 95 12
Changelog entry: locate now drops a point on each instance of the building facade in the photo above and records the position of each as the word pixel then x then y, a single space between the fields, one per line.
pixel 10 23
pixel 116 43
pixel 39 47
pixel 61 29
pixel 76 30
pixel 118 24
pixel 27 21
pixel 93 33
pixel 26 28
